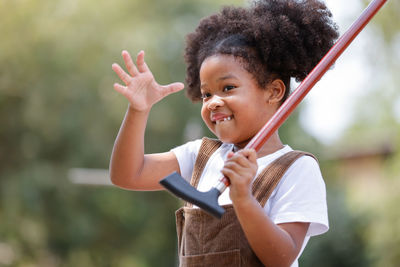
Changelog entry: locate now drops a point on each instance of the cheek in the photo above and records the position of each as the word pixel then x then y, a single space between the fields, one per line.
pixel 205 114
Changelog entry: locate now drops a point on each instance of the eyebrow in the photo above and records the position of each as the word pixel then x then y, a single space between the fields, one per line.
pixel 226 77
pixel 229 76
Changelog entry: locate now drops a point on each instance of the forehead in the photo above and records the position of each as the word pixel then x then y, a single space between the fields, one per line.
pixel 222 65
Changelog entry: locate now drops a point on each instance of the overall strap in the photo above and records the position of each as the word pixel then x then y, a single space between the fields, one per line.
pixel 207 148
pixel 265 182
pixel 269 178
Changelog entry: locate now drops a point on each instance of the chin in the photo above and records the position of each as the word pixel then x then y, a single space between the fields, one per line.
pixel 225 139
pixel 229 139
pixel 240 143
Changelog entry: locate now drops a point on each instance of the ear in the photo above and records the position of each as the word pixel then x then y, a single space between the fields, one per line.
pixel 276 91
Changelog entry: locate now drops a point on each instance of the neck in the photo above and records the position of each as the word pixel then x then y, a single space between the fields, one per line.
pixel 272 145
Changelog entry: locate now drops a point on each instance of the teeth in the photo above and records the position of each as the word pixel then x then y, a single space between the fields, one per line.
pixel 224 119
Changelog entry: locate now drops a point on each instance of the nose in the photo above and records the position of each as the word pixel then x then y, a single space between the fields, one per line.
pixel 215 101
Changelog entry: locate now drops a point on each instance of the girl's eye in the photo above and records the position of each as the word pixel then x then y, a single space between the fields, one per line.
pixel 228 87
pixel 205 95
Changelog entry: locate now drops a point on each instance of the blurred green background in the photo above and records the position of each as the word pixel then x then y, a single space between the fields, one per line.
pixel 58 112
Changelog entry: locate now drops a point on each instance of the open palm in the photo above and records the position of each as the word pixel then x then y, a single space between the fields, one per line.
pixel 141 89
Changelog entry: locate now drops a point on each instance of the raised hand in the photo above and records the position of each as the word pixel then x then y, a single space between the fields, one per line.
pixel 141 89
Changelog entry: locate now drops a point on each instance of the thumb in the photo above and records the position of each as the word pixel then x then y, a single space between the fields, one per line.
pixel 172 88
pixel 251 154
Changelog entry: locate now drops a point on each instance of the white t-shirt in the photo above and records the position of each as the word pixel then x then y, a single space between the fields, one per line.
pixel 300 196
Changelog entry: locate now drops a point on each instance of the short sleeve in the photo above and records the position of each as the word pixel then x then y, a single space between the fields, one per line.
pixel 186 155
pixel 301 197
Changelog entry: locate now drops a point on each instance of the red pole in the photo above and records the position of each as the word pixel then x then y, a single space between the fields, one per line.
pixel 312 78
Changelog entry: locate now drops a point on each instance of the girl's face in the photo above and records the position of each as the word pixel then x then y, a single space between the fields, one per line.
pixel 234 107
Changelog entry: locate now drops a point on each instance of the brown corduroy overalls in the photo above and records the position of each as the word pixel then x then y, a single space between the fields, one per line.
pixel 207 241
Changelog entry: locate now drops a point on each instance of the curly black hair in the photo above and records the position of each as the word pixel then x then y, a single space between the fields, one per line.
pixel 272 38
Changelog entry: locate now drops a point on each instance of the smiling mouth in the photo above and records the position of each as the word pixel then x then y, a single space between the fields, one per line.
pixel 223 120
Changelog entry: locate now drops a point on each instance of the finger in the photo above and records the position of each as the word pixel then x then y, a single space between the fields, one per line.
pixel 172 88
pixel 230 155
pixel 229 173
pixel 234 166
pixel 129 63
pixel 120 88
pixel 121 73
pixel 141 64
pixel 239 159
pixel 250 154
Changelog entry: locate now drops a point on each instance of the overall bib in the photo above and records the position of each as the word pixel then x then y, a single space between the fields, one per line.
pixel 204 240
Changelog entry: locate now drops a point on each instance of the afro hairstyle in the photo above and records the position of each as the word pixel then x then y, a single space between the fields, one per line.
pixel 273 39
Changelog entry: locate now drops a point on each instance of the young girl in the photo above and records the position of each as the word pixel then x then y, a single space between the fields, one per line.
pixel 240 62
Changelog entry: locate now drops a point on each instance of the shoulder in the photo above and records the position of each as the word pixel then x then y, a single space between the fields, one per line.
pixel 187 153
pixel 305 175
pixel 304 164
pixel 193 147
pixel 189 147
pixel 186 156
pixel 301 196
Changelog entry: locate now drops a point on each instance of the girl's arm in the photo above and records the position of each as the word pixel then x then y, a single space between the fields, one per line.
pixel 274 245
pixel 129 167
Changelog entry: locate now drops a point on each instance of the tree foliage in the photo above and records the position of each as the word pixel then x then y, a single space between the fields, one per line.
pixel 372 219
pixel 58 111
